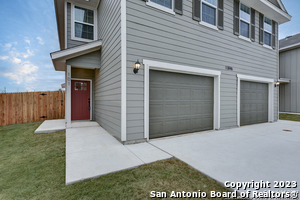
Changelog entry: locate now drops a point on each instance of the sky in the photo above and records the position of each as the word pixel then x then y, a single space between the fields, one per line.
pixel 28 35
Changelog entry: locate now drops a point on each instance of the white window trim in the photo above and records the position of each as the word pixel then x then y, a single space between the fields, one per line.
pixel 267 46
pixel 208 25
pixel 249 23
pixel 160 7
pixel 161 66
pixel 205 23
pixel 73 24
pixel 270 94
pixel 91 94
pixel 244 38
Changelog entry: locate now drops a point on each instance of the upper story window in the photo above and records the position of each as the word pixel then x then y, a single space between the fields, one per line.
pixel 267 31
pixel 209 11
pixel 83 23
pixel 244 20
pixel 165 3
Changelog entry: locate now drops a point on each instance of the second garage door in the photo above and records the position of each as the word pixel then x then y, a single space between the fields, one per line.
pixel 254 103
pixel 179 103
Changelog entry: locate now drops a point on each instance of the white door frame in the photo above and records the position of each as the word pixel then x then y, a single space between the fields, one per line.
pixel 162 66
pixel 91 94
pixel 257 79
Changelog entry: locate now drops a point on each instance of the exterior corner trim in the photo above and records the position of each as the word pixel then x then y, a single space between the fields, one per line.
pixel 123 71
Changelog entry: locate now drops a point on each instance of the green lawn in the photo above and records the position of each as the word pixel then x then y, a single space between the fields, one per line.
pixel 32 166
pixel 290 117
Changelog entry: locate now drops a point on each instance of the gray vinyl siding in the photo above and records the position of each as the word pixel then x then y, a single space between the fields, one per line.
pixel 90 60
pixel 290 69
pixel 108 77
pixel 156 35
pixel 86 74
pixel 71 43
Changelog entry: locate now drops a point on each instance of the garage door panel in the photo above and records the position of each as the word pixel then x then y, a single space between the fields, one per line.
pixel 184 109
pixel 183 125
pixel 254 103
pixel 181 103
pixel 197 95
pixel 156 128
pixel 170 94
pixel 156 93
pixel 170 79
pixel 156 111
pixel 184 94
pixel 196 108
pixel 170 127
pixel 184 80
pixel 170 110
pixel 208 95
pixel 207 107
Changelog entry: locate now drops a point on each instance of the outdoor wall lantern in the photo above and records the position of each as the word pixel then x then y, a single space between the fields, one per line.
pixel 277 84
pixel 137 66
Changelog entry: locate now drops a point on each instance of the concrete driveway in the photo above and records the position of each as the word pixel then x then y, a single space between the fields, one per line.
pixel 268 152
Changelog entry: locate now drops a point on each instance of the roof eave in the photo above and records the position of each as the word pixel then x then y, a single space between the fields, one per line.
pixel 60 13
pixel 291 47
pixel 269 10
pixel 59 58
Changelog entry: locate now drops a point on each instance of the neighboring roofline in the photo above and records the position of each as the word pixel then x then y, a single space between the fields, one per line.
pixel 290 47
pixel 59 58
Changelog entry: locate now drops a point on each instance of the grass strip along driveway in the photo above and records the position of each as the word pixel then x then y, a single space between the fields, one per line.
pixel 290 117
pixel 32 166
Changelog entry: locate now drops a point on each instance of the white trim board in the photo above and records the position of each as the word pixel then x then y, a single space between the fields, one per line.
pixel 68 97
pixel 162 66
pixel 123 72
pixel 91 94
pixel 270 94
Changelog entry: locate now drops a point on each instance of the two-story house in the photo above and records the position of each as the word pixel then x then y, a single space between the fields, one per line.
pixel 153 68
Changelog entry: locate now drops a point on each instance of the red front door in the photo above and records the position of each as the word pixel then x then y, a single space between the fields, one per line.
pixel 80 100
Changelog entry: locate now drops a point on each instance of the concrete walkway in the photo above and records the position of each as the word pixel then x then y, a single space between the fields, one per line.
pixel 50 126
pixel 92 152
pixel 268 152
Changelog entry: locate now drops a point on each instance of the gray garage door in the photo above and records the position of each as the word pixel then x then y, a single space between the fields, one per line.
pixel 179 103
pixel 254 103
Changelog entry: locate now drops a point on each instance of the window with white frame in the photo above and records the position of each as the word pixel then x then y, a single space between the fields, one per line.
pixel 267 31
pixel 244 20
pixel 209 11
pixel 165 3
pixel 84 23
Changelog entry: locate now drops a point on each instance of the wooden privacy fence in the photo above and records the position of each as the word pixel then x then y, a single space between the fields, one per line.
pixel 26 107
